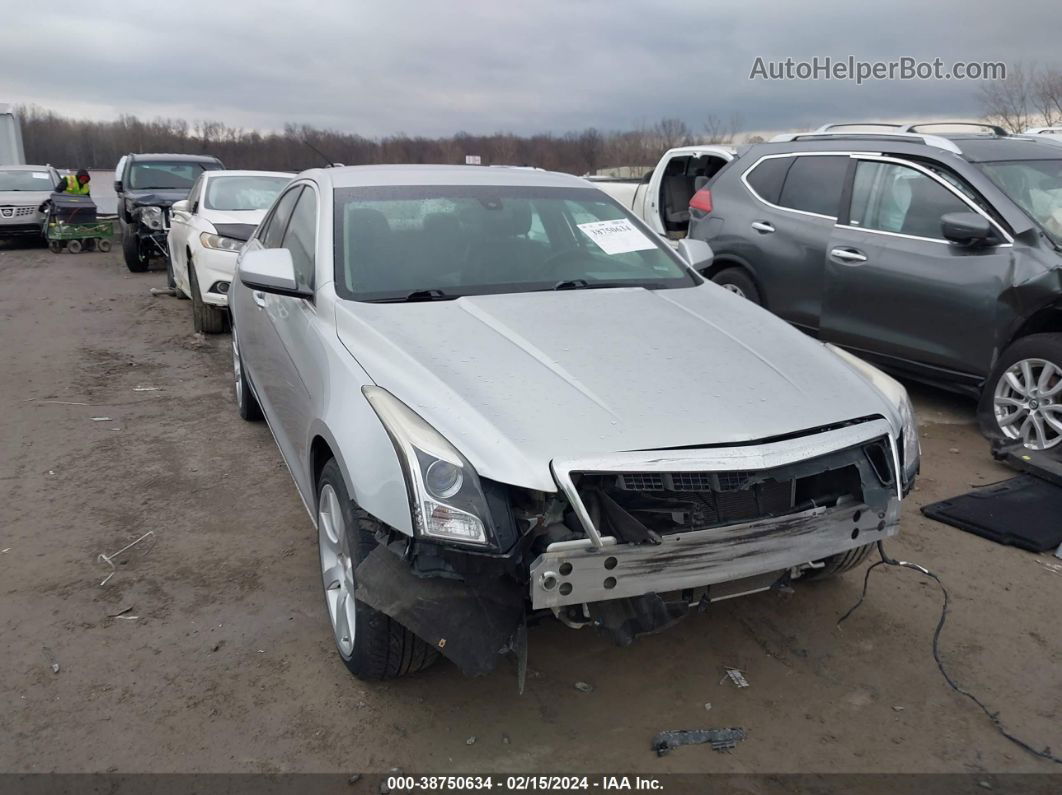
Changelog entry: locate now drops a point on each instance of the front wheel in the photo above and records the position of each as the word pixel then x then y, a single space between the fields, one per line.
pixel 206 318
pixel 371 644
pixel 135 260
pixel 738 281
pixel 1022 399
pixel 246 402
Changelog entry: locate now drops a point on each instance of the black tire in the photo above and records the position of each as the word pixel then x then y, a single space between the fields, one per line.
pixel 74 246
pixel 171 282
pixel 383 648
pixel 739 281
pixel 1035 346
pixel 246 403
pixel 839 563
pixel 135 261
pixel 55 247
pixel 207 318
pixel 103 245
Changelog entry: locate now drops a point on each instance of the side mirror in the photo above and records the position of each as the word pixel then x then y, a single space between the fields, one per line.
pixel 697 253
pixel 967 229
pixel 117 186
pixel 270 270
pixel 181 206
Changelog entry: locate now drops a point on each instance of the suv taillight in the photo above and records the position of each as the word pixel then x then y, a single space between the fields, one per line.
pixel 702 200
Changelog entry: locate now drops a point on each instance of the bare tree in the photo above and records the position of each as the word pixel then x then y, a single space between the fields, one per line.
pixel 671 132
pixel 716 131
pixel 1030 95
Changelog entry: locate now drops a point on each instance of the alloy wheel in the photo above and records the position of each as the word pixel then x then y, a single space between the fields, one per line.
pixel 337 569
pixel 237 369
pixel 1028 403
pixel 733 288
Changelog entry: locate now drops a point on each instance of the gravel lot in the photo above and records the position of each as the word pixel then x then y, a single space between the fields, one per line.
pixel 224 659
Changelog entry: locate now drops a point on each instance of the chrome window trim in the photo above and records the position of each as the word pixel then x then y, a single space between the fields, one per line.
pixel 940 181
pixel 759 198
pixel 768 455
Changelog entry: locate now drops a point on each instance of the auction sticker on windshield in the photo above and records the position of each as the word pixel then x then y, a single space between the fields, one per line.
pixel 617 237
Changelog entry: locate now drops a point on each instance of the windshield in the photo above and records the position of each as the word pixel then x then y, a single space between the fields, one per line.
pixel 447 241
pixel 1036 186
pixel 242 193
pixel 165 176
pixel 26 180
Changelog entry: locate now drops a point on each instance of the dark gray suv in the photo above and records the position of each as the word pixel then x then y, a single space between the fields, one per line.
pixel 938 257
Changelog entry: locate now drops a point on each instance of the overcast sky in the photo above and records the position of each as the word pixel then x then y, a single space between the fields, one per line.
pixel 537 65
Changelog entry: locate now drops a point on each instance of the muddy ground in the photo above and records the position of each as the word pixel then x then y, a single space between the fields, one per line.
pixel 224 659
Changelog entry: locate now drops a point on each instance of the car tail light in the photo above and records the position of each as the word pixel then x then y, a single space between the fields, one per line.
pixel 702 200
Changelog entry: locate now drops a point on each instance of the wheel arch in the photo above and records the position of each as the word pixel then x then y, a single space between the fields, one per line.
pixel 723 263
pixel 1045 320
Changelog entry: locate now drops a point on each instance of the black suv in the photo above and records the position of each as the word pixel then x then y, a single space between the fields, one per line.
pixel 937 257
pixel 147 186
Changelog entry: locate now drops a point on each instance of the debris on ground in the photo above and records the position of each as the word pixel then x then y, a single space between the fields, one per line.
pixel 53 663
pixel 354 779
pixel 471 740
pixel 719 739
pixel 735 676
pixel 100 419
pixel 157 291
pixel 707 706
pixel 109 559
pixel 145 389
pixel 120 613
pixel 5 550
pixel 584 687
pixel 506 740
pixel 897 708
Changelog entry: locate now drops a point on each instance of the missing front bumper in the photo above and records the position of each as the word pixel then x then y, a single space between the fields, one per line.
pixel 576 572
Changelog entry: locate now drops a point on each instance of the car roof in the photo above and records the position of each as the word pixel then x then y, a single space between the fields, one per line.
pixel 367 176
pixel 232 172
pixel 972 148
pixel 158 157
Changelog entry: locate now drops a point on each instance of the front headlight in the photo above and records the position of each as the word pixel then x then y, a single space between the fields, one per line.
pixel 220 243
pixel 910 449
pixel 445 492
pixel 151 217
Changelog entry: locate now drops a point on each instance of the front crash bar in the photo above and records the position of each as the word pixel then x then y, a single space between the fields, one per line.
pixel 573 574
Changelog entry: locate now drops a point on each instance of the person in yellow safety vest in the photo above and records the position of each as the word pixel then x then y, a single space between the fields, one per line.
pixel 77 185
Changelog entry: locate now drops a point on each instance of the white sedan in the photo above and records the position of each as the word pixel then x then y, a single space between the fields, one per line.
pixel 207 231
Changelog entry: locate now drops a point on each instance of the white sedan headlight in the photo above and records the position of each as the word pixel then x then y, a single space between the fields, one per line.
pixel 447 498
pixel 910 448
pixel 151 217
pixel 220 243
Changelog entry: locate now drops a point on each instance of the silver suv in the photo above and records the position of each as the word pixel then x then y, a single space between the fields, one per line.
pixel 23 192
pixel 502 396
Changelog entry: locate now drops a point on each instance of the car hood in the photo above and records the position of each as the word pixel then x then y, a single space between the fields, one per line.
pixel 253 217
pixel 23 198
pixel 516 380
pixel 154 198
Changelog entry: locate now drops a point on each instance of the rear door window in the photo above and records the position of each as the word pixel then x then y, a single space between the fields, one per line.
pixel 273 231
pixel 814 184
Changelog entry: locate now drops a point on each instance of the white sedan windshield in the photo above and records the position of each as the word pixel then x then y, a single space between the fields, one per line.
pixel 243 192
pixel 412 243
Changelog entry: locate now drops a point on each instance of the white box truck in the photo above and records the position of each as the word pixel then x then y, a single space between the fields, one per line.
pixel 11 151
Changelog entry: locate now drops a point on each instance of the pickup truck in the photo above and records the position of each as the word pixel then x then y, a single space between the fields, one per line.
pixel 662 197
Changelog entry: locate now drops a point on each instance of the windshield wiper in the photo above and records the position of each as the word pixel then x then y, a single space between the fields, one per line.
pixel 583 284
pixel 417 295
pixel 571 284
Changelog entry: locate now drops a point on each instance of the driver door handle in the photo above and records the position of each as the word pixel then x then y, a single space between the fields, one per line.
pixel 258 297
pixel 762 226
pixel 848 255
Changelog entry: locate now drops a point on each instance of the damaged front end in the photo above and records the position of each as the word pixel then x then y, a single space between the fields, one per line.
pixel 633 541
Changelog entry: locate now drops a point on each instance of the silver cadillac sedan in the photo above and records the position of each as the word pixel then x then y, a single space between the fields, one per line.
pixel 502 398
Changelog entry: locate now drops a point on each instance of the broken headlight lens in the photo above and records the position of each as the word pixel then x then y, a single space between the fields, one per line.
pixel 445 492
pixel 910 448
pixel 151 217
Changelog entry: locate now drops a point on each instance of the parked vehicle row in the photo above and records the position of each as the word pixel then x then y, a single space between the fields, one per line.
pixel 934 256
pixel 502 396
pixel 23 193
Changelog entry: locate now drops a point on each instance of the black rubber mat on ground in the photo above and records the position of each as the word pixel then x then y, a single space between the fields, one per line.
pixel 1025 512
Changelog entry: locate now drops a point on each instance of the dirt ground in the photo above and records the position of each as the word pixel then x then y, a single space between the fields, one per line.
pixel 225 662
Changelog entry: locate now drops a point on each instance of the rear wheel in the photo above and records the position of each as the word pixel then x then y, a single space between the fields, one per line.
pixel 839 563
pixel 55 246
pixel 738 281
pixel 206 318
pixel 1022 399
pixel 133 253
pixel 74 246
pixel 103 245
pixel 371 645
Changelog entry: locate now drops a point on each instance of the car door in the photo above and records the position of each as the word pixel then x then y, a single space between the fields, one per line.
pixel 900 293
pixel 293 347
pixel 257 339
pixel 787 228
